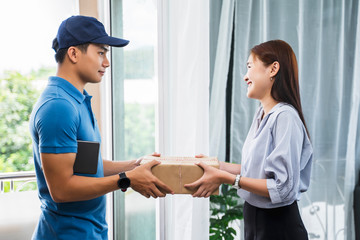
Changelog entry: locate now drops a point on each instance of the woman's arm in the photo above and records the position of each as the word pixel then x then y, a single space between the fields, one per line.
pixel 213 178
pixel 230 167
pixel 257 186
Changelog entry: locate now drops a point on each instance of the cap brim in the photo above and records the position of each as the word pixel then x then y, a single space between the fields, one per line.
pixel 111 41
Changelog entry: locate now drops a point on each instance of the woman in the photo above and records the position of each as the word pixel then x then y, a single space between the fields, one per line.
pixel 277 153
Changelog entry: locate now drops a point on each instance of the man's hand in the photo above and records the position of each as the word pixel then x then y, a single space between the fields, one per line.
pixel 144 182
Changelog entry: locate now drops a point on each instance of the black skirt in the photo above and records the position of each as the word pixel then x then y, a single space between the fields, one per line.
pixel 283 223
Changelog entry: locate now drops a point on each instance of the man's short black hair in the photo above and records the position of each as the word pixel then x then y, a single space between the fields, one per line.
pixel 61 53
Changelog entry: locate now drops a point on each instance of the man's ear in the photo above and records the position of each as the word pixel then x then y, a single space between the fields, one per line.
pixel 73 54
pixel 275 67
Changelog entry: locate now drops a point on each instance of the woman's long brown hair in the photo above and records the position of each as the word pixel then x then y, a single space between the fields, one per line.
pixel 286 85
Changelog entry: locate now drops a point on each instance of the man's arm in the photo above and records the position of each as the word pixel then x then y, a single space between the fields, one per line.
pixel 64 186
pixel 115 167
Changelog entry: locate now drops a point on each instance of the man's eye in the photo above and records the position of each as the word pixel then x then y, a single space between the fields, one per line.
pixel 101 53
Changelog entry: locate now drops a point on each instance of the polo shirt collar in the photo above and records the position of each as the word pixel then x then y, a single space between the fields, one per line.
pixel 69 88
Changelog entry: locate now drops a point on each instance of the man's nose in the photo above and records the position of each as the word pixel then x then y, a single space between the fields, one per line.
pixel 106 62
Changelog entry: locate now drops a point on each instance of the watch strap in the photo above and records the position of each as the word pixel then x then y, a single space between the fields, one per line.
pixel 122 175
pixel 237 180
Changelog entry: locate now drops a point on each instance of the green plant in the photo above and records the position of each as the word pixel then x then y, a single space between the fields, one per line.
pixel 18 93
pixel 225 208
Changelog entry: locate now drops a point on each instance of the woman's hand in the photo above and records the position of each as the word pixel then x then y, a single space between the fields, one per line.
pixel 138 161
pixel 155 154
pixel 208 183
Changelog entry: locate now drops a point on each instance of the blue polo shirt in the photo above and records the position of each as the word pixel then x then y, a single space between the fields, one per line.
pixel 61 116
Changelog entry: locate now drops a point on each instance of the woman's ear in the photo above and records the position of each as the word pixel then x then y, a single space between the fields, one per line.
pixel 73 54
pixel 275 66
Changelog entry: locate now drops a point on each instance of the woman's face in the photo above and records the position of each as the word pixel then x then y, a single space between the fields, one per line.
pixel 258 79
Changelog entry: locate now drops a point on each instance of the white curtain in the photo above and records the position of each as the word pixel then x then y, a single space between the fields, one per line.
pixel 220 73
pixel 325 36
pixel 183 108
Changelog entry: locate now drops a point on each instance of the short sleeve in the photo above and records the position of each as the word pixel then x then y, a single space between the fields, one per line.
pixel 57 122
pixel 282 166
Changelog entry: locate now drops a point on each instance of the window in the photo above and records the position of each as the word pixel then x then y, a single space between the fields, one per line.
pixel 23 72
pixel 28 28
pixel 134 91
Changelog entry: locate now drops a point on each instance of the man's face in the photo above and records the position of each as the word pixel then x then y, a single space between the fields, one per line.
pixel 92 63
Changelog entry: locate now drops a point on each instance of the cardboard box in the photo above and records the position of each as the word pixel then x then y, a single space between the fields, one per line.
pixel 177 171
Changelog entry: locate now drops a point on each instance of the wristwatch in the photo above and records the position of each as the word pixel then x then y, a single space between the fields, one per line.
pixel 123 182
pixel 237 180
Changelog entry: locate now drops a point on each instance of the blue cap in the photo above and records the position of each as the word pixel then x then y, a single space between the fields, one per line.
pixel 78 30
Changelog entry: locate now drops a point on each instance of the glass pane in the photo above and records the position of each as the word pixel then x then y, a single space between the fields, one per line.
pixel 134 98
pixel 27 59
